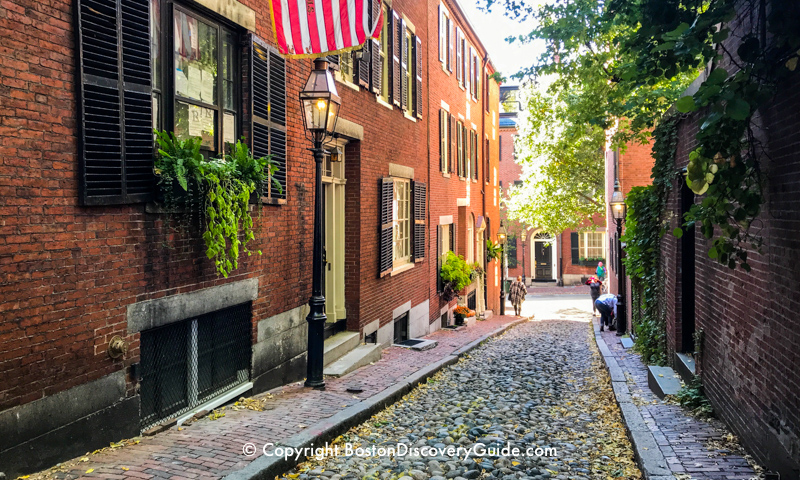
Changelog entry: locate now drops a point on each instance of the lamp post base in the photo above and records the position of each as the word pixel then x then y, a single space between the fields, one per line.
pixel 503 303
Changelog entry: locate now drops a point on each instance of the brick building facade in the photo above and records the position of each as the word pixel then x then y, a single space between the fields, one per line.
pixel 750 345
pixel 87 255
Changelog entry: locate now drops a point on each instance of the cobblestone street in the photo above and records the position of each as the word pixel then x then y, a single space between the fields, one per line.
pixel 539 388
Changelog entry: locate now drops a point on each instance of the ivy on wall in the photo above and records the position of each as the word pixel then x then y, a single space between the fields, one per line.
pixel 645 224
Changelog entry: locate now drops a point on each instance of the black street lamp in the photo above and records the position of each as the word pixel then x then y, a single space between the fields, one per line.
pixel 618 209
pixel 502 235
pixel 319 104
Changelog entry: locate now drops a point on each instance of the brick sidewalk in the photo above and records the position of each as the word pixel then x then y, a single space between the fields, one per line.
pixel 682 439
pixel 213 448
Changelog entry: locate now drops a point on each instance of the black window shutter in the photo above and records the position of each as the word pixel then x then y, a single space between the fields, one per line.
pixel 439 254
pixel 362 65
pixel 404 67
pixel 420 196
pixel 453 144
pixel 116 147
pixel 473 148
pixel 269 111
pixel 377 65
pixel 418 72
pixel 451 48
pixel 397 35
pixel 386 233
pixel 376 77
pixel 333 62
pixel 574 243
pixel 442 139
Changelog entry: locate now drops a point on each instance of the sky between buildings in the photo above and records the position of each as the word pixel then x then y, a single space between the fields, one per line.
pixel 493 28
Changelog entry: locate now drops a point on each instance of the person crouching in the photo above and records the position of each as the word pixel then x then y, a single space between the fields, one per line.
pixel 606 304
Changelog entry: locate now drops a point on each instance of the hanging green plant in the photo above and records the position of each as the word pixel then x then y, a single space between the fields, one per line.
pixel 456 274
pixel 217 189
pixel 493 250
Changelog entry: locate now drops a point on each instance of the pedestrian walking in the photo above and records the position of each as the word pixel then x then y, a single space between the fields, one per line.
pixel 594 289
pixel 517 295
pixel 606 304
pixel 601 275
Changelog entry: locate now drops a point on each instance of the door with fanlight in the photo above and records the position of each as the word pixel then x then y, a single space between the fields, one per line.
pixel 542 257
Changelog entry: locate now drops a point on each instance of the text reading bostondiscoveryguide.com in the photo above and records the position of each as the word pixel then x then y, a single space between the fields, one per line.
pixel 398 450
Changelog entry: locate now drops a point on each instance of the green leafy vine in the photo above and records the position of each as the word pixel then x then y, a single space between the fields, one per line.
pixel 724 167
pixel 219 189
pixel 644 227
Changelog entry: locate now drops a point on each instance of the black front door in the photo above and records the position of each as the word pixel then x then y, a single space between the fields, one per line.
pixel 543 259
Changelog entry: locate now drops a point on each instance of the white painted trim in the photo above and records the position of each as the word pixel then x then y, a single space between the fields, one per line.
pixel 462 202
pixel 216 401
pixel 445 220
pixel 445 106
pixel 384 103
pixel 402 268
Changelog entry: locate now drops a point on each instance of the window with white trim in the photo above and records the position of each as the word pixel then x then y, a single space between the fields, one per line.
pixel 591 246
pixel 401 222
pixel 444 34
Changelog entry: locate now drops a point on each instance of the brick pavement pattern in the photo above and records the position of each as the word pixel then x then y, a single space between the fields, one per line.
pixel 683 439
pixel 213 448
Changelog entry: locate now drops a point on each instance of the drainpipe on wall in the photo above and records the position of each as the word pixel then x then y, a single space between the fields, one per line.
pixel 560 280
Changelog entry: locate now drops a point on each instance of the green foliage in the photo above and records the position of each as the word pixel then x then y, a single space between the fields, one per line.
pixel 564 163
pixel 692 397
pixel 630 60
pixel 644 226
pixel 456 272
pixel 493 250
pixel 477 271
pixel 643 230
pixel 219 188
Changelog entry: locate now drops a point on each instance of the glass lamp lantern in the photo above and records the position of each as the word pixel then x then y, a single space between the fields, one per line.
pixel 617 203
pixel 319 103
pixel 502 235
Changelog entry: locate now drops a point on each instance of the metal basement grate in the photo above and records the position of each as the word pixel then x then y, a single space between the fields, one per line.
pixel 190 362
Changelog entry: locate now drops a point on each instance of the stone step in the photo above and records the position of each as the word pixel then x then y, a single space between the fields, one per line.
pixel 339 345
pixel 663 381
pixel 360 356
pixel 685 366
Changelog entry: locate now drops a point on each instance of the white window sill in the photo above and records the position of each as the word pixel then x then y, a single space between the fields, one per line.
pixel 445 175
pixel 405 114
pixel 348 84
pixel 445 70
pixel 384 103
pixel 401 269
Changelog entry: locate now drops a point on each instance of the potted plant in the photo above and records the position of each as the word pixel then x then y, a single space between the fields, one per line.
pixel 460 313
pixel 455 275
pixel 477 271
pixel 493 250
pixel 217 190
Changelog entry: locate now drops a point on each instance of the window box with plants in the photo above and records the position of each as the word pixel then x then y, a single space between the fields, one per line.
pixel 590 261
pixel 215 191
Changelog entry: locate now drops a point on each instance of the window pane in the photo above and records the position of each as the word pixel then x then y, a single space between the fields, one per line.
pixel 155 40
pixel 229 128
pixel 195 59
pixel 227 71
pixel 194 121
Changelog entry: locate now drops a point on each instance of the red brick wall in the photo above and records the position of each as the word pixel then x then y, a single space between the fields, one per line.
pixel 445 190
pixel 68 272
pixel 751 333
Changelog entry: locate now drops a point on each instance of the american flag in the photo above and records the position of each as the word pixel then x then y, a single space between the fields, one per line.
pixel 314 28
